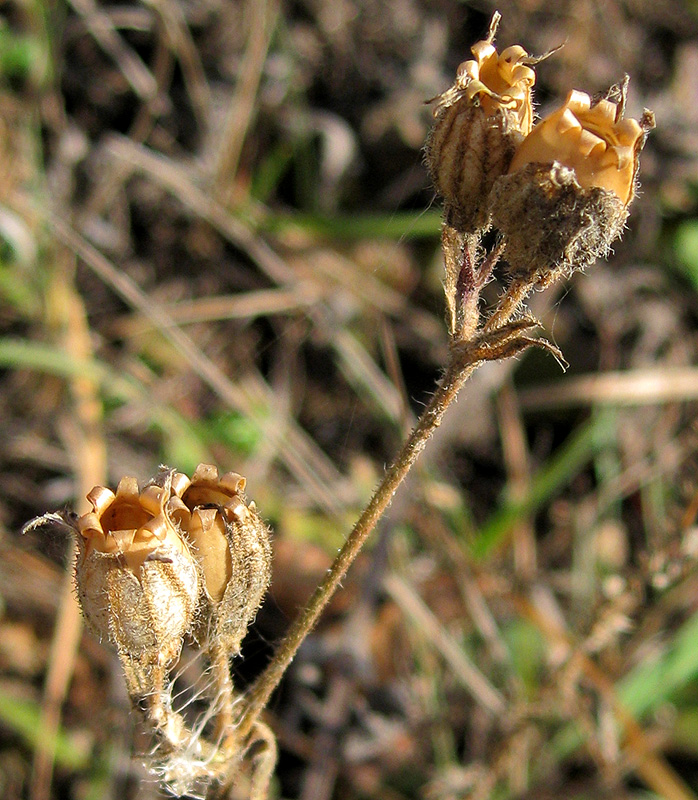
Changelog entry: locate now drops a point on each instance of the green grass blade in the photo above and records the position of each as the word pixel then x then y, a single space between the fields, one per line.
pixel 654 682
pixel 23 717
pixel 560 469
pixel 685 246
pixel 399 225
pixel 23 354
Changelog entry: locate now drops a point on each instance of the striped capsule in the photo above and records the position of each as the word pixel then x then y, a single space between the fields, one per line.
pixel 232 546
pixel 478 124
pixel 137 580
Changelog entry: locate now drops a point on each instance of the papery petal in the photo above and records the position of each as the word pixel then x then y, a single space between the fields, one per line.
pixel 590 139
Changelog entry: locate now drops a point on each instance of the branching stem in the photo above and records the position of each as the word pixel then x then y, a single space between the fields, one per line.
pixel 509 303
pixel 461 367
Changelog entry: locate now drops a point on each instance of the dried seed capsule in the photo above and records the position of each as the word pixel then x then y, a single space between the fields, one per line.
pixel 565 199
pixel 232 548
pixel 136 580
pixel 479 123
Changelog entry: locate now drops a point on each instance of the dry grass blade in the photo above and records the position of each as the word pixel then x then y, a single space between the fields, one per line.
pixel 632 388
pixel 248 305
pixel 463 669
pixel 262 15
pixel 180 39
pixel 301 455
pixel 362 370
pixel 129 62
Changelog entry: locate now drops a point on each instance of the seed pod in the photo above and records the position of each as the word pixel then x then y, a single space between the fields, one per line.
pixel 136 580
pixel 565 199
pixel 233 550
pixel 479 123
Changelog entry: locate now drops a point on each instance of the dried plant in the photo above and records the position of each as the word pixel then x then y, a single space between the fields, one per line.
pixel 179 558
pixel 191 558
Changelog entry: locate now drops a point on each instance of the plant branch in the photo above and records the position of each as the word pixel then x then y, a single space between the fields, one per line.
pixel 509 303
pixel 462 363
pixel 455 376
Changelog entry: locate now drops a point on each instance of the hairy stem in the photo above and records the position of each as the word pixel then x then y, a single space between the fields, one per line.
pixel 455 376
pixel 509 303
pixel 220 668
pixel 461 367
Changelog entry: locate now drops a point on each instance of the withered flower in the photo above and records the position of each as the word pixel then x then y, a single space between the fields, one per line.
pixel 565 199
pixel 479 123
pixel 589 138
pixel 136 579
pixel 232 548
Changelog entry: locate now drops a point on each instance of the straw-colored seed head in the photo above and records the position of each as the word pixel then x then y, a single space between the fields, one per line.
pixel 232 548
pixel 479 123
pixel 565 199
pixel 136 578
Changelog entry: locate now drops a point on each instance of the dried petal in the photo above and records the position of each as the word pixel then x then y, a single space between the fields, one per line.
pixel 590 138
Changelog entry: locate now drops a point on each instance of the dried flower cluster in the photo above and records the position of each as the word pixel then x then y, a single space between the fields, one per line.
pixel 557 192
pixel 480 122
pixel 178 558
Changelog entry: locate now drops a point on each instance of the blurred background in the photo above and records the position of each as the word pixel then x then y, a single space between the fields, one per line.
pixel 218 243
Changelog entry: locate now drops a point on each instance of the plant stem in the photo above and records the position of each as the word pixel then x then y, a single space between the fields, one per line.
pixel 459 369
pixel 455 376
pixel 509 303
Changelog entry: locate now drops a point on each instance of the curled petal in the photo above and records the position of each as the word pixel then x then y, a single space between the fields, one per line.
pixel 89 525
pixel 180 483
pixel 127 488
pixel 151 498
pixel 101 498
pixel 591 138
pixel 205 473
pixel 233 482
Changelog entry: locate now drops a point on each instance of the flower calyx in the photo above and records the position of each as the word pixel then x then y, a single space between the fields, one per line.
pixel 478 124
pixel 566 195
pixel 232 548
pixel 136 579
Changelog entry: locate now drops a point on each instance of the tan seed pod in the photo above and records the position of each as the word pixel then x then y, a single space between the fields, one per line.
pixel 232 548
pixel 136 580
pixel 565 199
pixel 479 123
